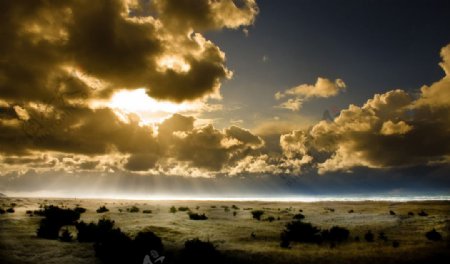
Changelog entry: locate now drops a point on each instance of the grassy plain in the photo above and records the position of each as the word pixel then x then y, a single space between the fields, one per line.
pixel 239 237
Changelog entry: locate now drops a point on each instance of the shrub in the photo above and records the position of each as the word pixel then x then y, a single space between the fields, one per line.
pixel 213 206
pixel 173 209
pixel 234 213
pixel 29 212
pixel 270 219
pixel 395 244
pixel 10 210
pixel 336 234
pixel 146 211
pixel 80 210
pixel 144 243
pixel 257 214
pixel 422 213
pixel 66 236
pixel 197 251
pixel 391 212
pixel 351 211
pixel 235 207
pixel 195 216
pixel 382 236
pixel 133 209
pixel 301 232
pixel 2 211
pixel 102 209
pixel 410 213
pixel 433 235
pixel 298 217
pixel 114 247
pixel 183 209
pixel 369 237
pixel 55 218
pixel 93 232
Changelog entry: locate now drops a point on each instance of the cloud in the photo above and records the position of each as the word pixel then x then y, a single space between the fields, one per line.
pixel 391 130
pixel 323 88
pixel 87 50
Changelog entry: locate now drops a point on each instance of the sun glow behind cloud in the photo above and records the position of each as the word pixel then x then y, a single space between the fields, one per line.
pixel 148 109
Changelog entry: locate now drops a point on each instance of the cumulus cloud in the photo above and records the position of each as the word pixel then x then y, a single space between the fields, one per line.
pixel 390 130
pixel 323 88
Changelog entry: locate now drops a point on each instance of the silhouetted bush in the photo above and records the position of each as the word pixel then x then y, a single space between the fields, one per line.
pixel 433 235
pixel 2 211
pixel 257 214
pixel 102 209
pixel 10 210
pixel 133 209
pixel 382 236
pixel 351 211
pixel 391 212
pixel 329 209
pixel 143 244
pixel 298 217
pixel 173 209
pixel 234 213
pixel 66 236
pixel 55 218
pixel 195 216
pixel 301 232
pixel 410 213
pixel 395 244
pixel 357 239
pixel 369 237
pixel 146 211
pixel 422 213
pixel 197 251
pixel 114 247
pixel 213 206
pixel 183 209
pixel 270 219
pixel 335 234
pixel 235 207
pixel 80 210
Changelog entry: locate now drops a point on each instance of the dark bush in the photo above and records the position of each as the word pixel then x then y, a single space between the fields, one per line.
pixel 235 207
pixel 395 244
pixel 2 211
pixel 410 213
pixel 133 209
pixel 234 213
pixel 144 243
pixel 433 235
pixel 146 211
pixel 257 214
pixel 369 237
pixel 213 206
pixel 335 234
pixel 66 236
pixel 80 210
pixel 173 209
pixel 197 251
pixel 391 212
pixel 195 216
pixel 183 209
pixel 298 217
pixel 29 212
pixel 10 210
pixel 301 232
pixel 114 247
pixel 351 211
pixel 102 209
pixel 270 218
pixel 422 213
pixel 382 236
pixel 55 218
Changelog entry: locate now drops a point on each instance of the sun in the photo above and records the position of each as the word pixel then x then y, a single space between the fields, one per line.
pixel 148 109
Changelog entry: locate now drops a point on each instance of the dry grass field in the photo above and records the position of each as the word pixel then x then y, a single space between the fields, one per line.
pixel 238 237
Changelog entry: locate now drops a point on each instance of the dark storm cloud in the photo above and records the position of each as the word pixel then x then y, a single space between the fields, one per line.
pixel 46 42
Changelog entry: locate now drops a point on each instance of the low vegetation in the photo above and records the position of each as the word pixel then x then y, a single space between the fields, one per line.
pixel 102 209
pixel 196 216
pixel 256 214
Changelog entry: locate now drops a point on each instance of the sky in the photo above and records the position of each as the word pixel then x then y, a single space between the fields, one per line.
pixel 242 98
